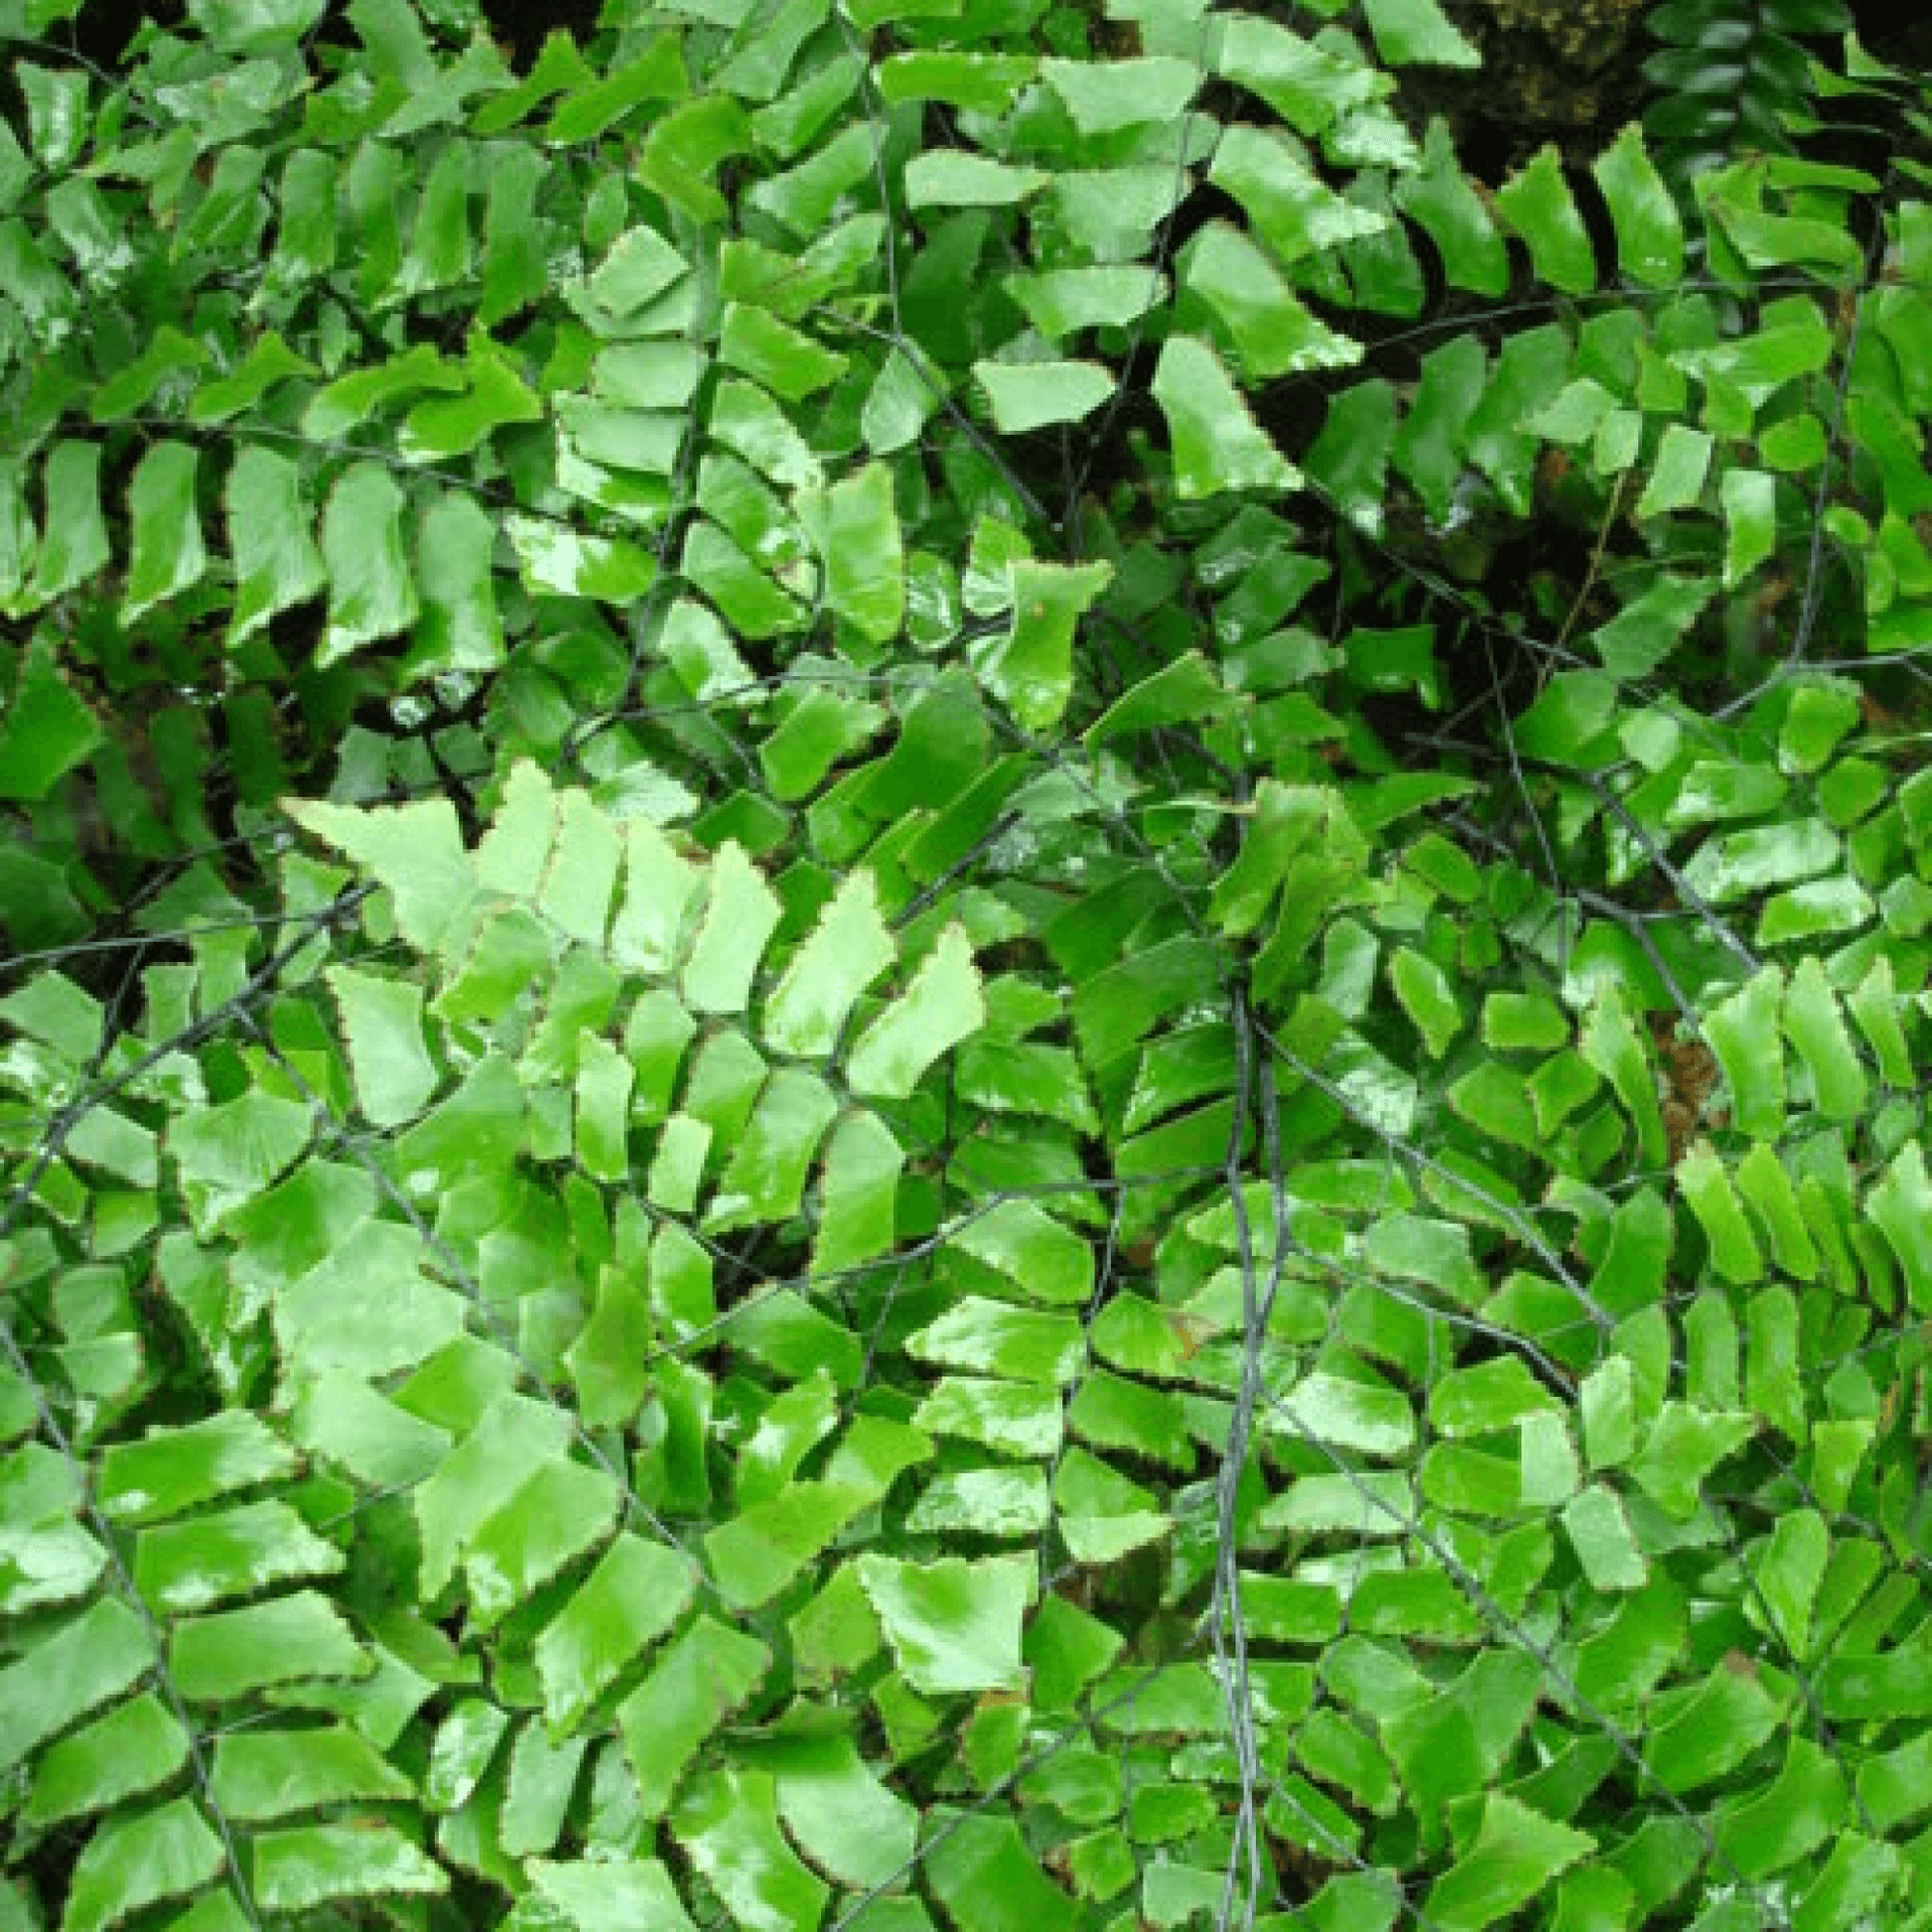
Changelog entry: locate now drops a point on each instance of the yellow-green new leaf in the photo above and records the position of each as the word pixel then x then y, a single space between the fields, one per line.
pixel 846 951
pixel 741 913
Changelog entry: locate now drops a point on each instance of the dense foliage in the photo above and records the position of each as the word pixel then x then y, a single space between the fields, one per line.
pixel 960 976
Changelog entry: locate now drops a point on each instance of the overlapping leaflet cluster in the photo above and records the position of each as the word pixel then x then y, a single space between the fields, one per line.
pixel 912 1125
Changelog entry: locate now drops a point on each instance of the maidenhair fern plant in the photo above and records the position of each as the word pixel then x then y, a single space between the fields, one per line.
pixel 960 977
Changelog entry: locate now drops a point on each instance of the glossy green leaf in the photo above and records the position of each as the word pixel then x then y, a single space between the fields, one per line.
pixel 1651 626
pixel 561 1513
pixel 1217 445
pixel 270 1773
pixel 1103 97
pixel 1815 1025
pixel 73 537
pixel 1363 1415
pixel 481 1477
pixel 1350 460
pixel 439 427
pixel 1411 31
pixel 1065 301
pixel 1600 1531
pixel 1044 1260
pixel 372 593
pixel 168 556
pixel 1441 201
pixel 1703 1732
pixel 227 1154
pixel 277 563
pixel 611 570
pixel 1795 1813
pixel 602 1895
pixel 1708 1190
pixel 728 1828
pixel 1429 447
pixel 637 1592
pixel 212 1659
pixel 697 1683
pixel 1649 229
pixel 763 1547
pixel 740 913
pixel 1897 1206
pixel 955 177
pixel 983 1866
pixel 1031 668
pixel 639 266
pixel 1750 498
pixel 987 82
pixel 459 628
pixel 850 1824
pixel 1536 202
pixel 1306 85
pixel 142 1859
pixel 76 1669
pixel 994 1338
pixel 312 1865
pixel 855 529
pixel 191 1564
pixel 351 401
pixel 1609 1042
pixel 942 1005
pixel 1513 1857
pixel 1270 330
pixel 1290 207
pixel 134 1749
pixel 772 353
pixel 382 1026
pixel 169 1471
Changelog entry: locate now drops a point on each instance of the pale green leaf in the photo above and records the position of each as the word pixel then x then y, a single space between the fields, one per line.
pixel 944 1005
pixel 953 1625
pixel 1033 395
pixel 741 912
